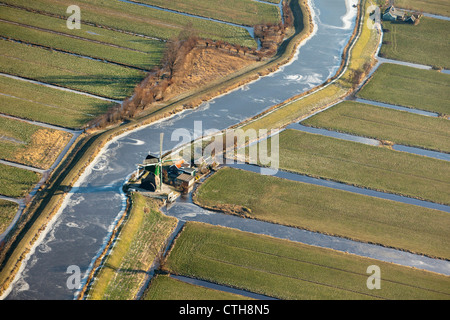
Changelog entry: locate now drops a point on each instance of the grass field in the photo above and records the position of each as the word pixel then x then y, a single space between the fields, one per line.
pixel 409 87
pixel 243 12
pixel 8 210
pixel 49 105
pixel 149 46
pixel 290 270
pixel 81 47
pixel 426 43
pixel 164 287
pixel 367 166
pixel 16 182
pixel 440 7
pixel 380 123
pixel 142 237
pixel 29 144
pixel 141 20
pixel 69 71
pixel 330 211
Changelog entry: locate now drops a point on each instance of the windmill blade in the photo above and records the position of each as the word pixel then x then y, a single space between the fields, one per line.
pixel 161 137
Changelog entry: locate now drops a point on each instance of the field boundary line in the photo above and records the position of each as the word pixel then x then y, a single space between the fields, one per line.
pixel 33 44
pixel 22 166
pixel 41 124
pixel 54 86
pixel 71 36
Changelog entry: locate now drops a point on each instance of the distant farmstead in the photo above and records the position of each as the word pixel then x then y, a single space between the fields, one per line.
pixel 393 14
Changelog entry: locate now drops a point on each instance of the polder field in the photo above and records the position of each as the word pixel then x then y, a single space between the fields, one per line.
pixel 291 270
pixel 396 126
pixel 426 43
pixel 54 81
pixel 328 211
pixel 98 66
pixel 288 270
pixel 439 7
pixel 409 87
pixel 364 165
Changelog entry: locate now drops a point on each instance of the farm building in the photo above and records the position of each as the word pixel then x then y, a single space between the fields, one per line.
pixel 393 14
pixel 186 181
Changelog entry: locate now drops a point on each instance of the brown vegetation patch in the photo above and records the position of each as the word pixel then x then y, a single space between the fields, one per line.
pixel 44 148
pixel 203 66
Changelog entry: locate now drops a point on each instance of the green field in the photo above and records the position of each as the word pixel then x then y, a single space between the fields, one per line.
pixel 329 211
pixel 69 71
pixel 81 47
pixel 8 210
pixel 409 87
pixel 142 20
pixel 380 123
pixel 426 43
pixel 145 45
pixel 363 165
pixel 16 182
pixel 142 237
pixel 440 7
pixel 243 12
pixel 289 270
pixel 49 105
pixel 164 287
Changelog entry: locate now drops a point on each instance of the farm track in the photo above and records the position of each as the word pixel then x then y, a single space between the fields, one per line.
pixel 72 53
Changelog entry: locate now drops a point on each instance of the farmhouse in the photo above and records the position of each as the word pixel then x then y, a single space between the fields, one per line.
pixel 393 14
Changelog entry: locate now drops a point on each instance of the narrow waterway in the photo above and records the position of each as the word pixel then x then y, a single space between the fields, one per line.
pixel 85 221
pixel 183 209
pixel 369 141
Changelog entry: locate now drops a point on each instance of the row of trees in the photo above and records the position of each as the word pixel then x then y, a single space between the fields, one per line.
pixel 154 86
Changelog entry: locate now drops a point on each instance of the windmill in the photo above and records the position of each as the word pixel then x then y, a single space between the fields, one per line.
pixel 154 164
